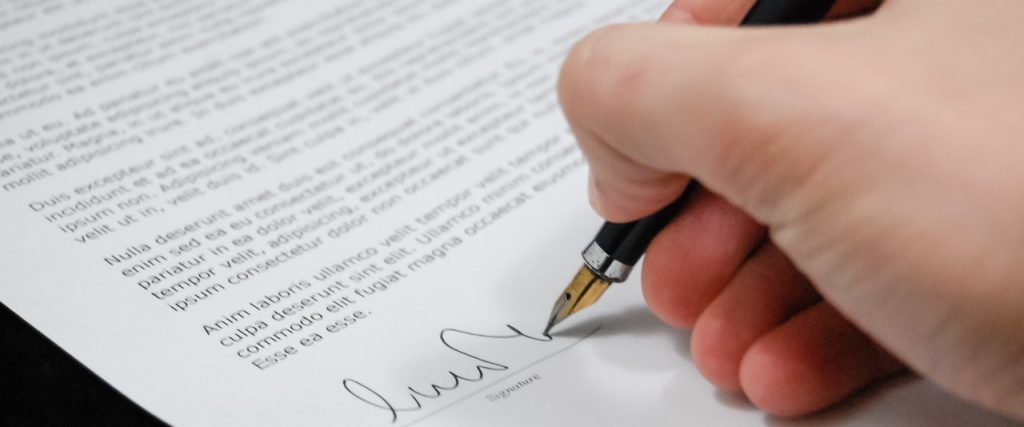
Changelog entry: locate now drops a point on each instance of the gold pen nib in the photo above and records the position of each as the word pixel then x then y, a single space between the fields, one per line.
pixel 585 289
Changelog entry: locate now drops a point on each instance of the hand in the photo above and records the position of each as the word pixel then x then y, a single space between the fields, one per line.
pixel 864 202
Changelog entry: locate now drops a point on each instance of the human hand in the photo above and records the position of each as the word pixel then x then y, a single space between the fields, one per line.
pixel 864 191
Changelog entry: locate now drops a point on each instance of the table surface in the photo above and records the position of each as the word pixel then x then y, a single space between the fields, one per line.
pixel 43 385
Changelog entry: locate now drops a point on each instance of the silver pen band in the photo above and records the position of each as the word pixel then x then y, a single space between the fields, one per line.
pixel 604 265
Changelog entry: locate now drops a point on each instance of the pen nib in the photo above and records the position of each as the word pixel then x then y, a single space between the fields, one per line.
pixel 585 289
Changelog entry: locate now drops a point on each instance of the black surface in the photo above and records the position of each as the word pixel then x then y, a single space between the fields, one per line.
pixel 41 385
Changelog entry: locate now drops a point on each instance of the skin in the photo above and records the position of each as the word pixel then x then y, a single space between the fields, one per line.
pixel 862 191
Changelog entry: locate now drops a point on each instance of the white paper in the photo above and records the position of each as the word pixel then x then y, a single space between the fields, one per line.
pixel 174 175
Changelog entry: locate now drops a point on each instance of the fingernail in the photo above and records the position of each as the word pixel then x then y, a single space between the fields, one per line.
pixel 594 193
pixel 592 188
pixel 677 14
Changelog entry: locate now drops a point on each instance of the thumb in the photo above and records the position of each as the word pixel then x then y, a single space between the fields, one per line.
pixel 748 112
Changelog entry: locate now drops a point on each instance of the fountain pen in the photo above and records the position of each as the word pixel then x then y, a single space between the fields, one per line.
pixel 618 246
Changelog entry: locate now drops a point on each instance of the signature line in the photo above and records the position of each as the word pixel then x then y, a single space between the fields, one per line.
pixel 517 371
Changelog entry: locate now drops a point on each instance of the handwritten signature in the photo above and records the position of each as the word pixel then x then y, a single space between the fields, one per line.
pixel 372 397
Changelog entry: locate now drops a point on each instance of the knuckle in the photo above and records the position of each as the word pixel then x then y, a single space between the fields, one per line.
pixel 768 97
pixel 751 70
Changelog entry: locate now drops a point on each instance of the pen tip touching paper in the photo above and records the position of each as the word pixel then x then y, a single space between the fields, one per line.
pixel 555 318
pixel 584 290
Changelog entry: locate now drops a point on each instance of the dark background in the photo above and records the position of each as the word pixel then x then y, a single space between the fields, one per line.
pixel 41 385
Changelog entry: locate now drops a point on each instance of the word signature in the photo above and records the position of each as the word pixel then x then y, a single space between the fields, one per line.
pixel 371 397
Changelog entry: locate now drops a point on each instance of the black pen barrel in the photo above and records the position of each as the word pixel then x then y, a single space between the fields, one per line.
pixel 626 242
pixel 788 12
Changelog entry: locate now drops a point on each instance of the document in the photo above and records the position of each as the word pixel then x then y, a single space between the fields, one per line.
pixel 265 213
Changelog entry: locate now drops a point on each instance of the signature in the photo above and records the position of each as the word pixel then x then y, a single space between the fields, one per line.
pixel 373 398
